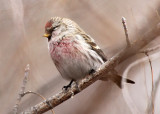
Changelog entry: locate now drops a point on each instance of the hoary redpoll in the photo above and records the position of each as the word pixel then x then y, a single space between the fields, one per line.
pixel 74 53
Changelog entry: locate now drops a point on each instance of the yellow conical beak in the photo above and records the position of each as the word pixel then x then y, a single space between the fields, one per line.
pixel 46 35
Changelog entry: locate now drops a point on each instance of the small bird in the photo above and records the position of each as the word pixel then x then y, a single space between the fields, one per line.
pixel 75 53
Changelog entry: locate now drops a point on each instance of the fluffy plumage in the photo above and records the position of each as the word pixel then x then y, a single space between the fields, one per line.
pixel 74 53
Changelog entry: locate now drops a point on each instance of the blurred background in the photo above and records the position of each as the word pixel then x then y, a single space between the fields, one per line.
pixel 22 26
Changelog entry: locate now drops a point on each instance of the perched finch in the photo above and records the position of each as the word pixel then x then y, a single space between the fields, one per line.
pixel 74 53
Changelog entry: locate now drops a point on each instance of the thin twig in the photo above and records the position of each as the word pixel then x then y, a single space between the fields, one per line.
pixel 15 109
pixel 126 31
pixel 22 92
pixel 152 93
pixel 156 85
pixel 31 92
pixel 150 107
pixel 146 51
pixel 150 49
pixel 28 92
pixel 145 82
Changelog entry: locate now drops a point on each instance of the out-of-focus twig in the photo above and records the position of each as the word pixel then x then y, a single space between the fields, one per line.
pixel 156 85
pixel 35 93
pixel 28 92
pixel 158 14
pixel 22 92
pixel 126 31
pixel 152 92
pixel 150 49
pixel 145 82
pixel 15 110
pixel 150 107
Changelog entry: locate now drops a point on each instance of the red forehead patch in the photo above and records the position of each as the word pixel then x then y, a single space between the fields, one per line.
pixel 48 24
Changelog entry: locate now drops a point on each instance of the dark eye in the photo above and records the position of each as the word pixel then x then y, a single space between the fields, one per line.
pixel 51 29
pixel 55 28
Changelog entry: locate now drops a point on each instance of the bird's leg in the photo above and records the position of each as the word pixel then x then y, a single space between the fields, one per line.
pixel 91 71
pixel 68 86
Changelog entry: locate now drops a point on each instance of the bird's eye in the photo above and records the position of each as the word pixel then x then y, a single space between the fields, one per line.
pixel 55 28
pixel 51 29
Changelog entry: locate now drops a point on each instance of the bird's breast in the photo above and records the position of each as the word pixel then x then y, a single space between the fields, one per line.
pixel 63 49
pixel 73 57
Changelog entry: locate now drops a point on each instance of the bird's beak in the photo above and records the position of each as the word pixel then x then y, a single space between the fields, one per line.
pixel 46 35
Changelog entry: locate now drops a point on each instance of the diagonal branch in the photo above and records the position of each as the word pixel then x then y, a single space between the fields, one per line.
pixel 104 69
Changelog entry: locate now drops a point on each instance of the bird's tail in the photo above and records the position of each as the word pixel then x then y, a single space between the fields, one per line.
pixel 117 79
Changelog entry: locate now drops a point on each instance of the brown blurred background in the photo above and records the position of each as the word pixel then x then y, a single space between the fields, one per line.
pixel 22 26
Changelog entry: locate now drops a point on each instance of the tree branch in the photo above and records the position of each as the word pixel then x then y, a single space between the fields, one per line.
pixel 15 109
pixel 126 31
pixel 88 80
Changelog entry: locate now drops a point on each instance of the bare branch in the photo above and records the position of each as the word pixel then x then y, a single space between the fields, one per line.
pixel 15 110
pixel 149 107
pixel 126 31
pixel 150 49
pixel 23 93
pixel 152 93
pixel 31 92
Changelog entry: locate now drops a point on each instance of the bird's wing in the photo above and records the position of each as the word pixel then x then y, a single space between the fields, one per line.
pixel 94 46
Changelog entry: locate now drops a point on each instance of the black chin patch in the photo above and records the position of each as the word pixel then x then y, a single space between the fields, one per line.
pixel 49 38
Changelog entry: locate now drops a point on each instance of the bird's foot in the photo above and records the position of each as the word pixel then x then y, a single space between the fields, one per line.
pixel 68 86
pixel 91 71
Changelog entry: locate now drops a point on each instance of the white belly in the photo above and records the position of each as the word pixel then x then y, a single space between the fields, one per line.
pixel 73 61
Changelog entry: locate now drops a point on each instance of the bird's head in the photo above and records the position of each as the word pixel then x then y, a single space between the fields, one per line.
pixel 57 25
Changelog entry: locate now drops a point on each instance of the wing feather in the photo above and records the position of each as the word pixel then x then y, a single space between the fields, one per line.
pixel 94 46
